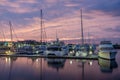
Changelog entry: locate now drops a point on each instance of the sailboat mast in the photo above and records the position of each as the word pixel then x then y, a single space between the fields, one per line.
pixel 41 15
pixel 57 39
pixel 82 29
pixel 11 31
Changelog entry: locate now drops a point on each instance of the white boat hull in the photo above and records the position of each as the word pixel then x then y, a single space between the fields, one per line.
pixel 81 53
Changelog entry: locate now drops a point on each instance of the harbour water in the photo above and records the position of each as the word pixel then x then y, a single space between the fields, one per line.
pixel 32 68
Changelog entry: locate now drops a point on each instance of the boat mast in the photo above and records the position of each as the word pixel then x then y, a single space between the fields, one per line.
pixel 11 31
pixel 82 29
pixel 57 39
pixel 41 15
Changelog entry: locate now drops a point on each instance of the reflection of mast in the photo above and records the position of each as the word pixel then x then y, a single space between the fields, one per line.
pixel 11 60
pixel 82 29
pixel 83 70
pixel 41 69
pixel 11 63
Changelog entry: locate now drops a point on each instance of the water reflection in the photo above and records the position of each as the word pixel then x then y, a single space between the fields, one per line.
pixel 35 68
pixel 107 66
pixel 82 66
pixel 56 63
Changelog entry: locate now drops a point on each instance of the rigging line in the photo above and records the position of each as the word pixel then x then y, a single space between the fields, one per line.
pixel 15 33
pixel 82 35
pixel 2 33
pixel 2 38
pixel 45 35
pixel 11 31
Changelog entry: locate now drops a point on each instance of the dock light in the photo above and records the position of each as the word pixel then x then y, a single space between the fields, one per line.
pixel 90 52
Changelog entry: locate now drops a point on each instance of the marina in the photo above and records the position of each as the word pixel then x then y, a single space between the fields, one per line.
pixel 59 40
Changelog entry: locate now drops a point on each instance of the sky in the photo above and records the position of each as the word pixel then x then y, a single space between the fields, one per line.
pixel 101 19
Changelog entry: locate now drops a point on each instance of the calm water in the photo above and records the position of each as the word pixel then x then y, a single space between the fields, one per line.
pixel 27 68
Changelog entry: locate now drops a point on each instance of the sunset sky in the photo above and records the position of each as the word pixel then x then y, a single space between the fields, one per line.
pixel 101 18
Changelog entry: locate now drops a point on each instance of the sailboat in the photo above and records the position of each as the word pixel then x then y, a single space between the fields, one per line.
pixel 39 49
pixel 83 51
pixel 8 47
pixel 57 48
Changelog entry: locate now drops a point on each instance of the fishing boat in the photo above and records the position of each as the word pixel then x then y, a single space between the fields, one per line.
pixel 106 50
pixel 8 47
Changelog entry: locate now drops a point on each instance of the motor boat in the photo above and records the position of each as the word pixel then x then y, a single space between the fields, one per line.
pixel 56 51
pixel 106 50
pixel 40 49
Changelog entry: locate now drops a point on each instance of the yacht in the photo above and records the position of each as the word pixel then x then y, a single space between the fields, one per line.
pixel 106 50
pixel 40 49
pixel 56 51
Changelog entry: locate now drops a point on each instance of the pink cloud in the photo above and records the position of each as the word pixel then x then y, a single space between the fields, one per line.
pixel 17 6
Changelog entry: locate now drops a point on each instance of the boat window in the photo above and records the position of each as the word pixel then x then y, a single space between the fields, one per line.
pixel 54 49
pixel 107 48
pixel 6 48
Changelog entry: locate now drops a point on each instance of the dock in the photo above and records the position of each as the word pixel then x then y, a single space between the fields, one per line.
pixel 89 57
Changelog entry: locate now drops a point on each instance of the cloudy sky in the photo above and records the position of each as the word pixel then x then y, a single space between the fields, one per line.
pixel 101 19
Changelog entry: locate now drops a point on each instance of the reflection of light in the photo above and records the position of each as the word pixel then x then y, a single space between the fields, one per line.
pixel 71 62
pixel 90 63
pixel 36 60
pixel 8 60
